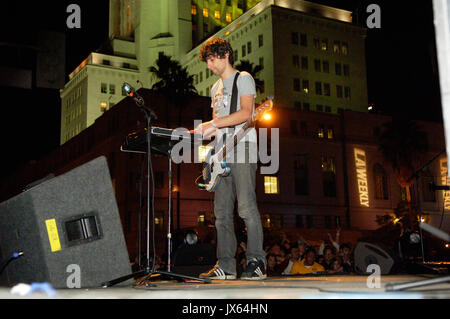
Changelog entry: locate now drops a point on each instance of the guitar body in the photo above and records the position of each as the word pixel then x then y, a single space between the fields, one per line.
pixel 213 170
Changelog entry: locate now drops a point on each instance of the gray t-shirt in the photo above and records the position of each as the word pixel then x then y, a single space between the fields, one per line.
pixel 221 93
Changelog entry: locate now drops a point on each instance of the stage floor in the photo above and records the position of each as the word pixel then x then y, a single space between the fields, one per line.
pixel 290 287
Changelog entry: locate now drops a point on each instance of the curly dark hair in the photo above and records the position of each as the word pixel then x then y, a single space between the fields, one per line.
pixel 218 48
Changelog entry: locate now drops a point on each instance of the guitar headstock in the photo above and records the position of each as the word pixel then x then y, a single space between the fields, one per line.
pixel 262 108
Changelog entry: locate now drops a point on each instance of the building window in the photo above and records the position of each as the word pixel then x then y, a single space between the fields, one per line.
pixel 297 84
pixel 103 106
pixel 112 89
pixel 303 40
pixel 243 51
pixel 236 55
pixel 318 88
pixel 104 88
pixel 316 65
pixel 249 47
pixel 229 3
pixel 159 220
pixel 205 12
pixel 306 106
pixel 316 42
pixel 344 48
pixel 193 9
pixel 347 92
pixel 228 17
pixel 327 109
pixel 305 86
pixel 294 38
pixel 203 151
pixel 201 218
pixel 380 182
pixel 321 131
pixel 106 62
pixel 339 91
pixel 304 63
pixel 297 104
pixel 324 46
pixel 337 67
pixel 261 63
pixel 271 185
pixel 336 47
pixel 346 70
pixel 217 14
pixel 301 175
pixel 328 176
pixel 295 61
pixel 319 108
pixel 325 67
pixel 330 132
pixel 260 40
pixel 326 89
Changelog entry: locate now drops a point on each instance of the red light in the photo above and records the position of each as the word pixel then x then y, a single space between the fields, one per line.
pixel 131 94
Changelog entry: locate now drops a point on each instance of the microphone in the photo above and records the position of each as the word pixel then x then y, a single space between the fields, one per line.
pixel 131 92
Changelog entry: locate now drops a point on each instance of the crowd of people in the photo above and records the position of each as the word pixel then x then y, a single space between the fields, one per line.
pixel 287 257
pixel 291 257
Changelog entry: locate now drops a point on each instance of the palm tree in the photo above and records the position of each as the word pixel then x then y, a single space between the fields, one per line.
pixel 403 145
pixel 246 65
pixel 174 82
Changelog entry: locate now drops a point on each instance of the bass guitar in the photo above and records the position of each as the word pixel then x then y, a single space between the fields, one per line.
pixel 215 166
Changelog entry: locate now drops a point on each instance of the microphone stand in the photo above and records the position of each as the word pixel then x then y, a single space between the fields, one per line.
pixel 149 272
pixel 425 282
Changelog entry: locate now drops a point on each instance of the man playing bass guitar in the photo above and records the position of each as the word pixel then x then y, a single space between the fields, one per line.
pixel 232 101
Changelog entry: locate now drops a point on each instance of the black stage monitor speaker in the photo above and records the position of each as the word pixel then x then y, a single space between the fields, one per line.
pixel 368 253
pixel 69 230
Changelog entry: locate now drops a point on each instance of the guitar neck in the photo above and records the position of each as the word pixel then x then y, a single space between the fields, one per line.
pixel 266 105
pixel 233 142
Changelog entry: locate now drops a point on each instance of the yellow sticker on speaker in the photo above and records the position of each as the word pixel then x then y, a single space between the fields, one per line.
pixel 53 237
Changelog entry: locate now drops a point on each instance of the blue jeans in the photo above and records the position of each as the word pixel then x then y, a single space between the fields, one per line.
pixel 239 184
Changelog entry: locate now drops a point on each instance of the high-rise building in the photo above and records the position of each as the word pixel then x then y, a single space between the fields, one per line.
pixel 312 56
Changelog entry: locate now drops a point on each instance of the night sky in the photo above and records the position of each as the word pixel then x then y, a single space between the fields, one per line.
pixel 401 66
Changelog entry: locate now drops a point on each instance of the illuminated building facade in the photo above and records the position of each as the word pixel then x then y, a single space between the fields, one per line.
pixel 331 172
pixel 312 56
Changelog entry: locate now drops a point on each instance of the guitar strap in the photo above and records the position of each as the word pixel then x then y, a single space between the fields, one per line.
pixel 234 95
pixel 233 103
